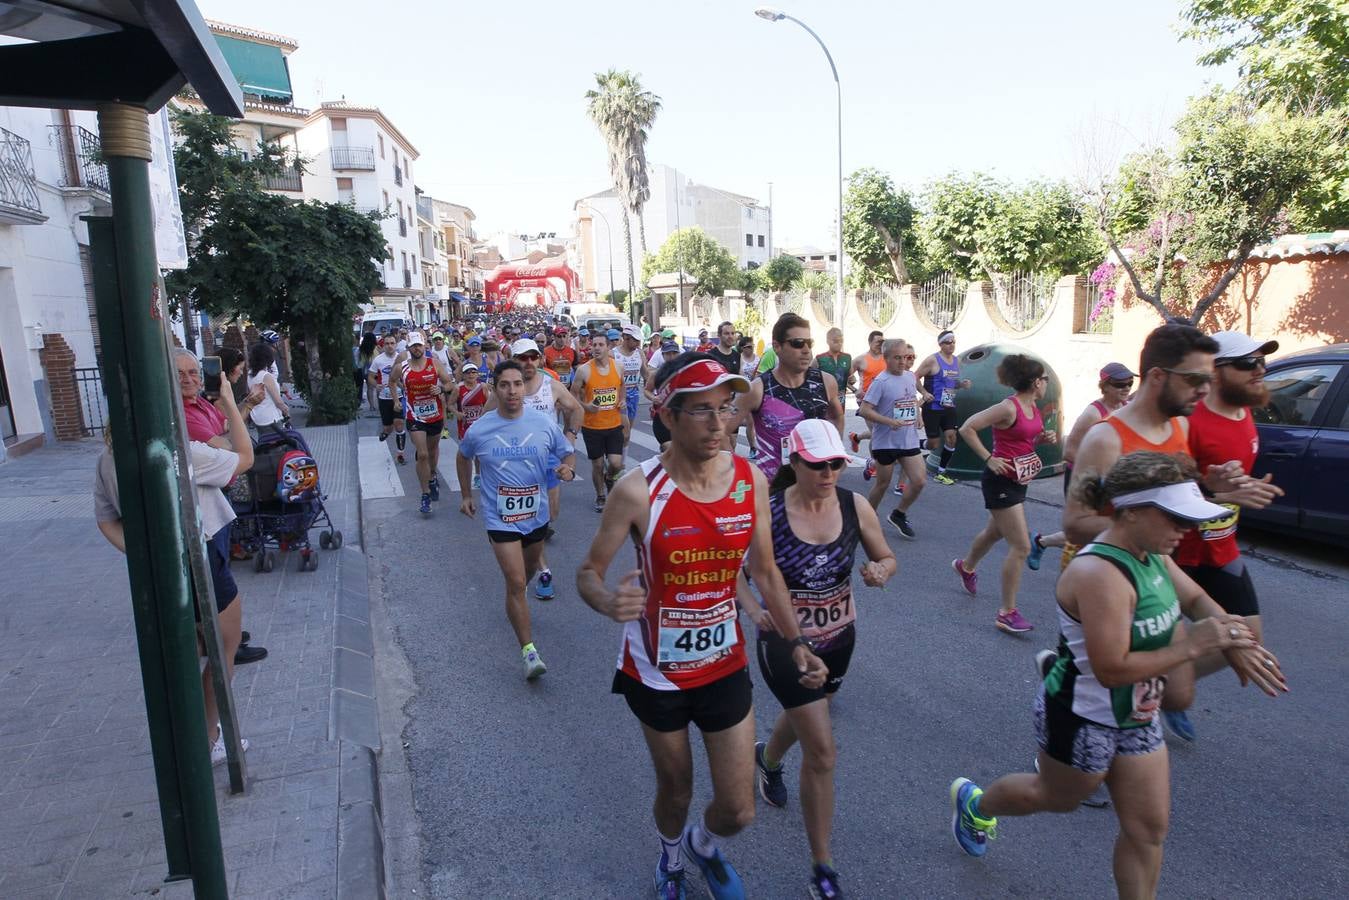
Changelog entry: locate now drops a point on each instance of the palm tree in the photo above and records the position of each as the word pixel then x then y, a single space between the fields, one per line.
pixel 623 112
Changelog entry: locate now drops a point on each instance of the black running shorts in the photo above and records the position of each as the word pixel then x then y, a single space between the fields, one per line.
pixel 890 457
pixel 500 536
pixel 1000 492
pixel 780 674
pixel 712 707
pixel 603 441
pixel 434 428
pixel 1229 585
pixel 386 415
pixel 1086 745
pixel 936 421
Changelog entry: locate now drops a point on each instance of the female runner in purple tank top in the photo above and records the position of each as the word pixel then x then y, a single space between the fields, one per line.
pixel 1018 428
pixel 816 529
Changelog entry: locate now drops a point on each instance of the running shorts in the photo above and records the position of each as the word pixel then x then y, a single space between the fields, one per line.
pixel 936 421
pixel 712 707
pixel 603 441
pixel 434 428
pixel 218 560
pixel 498 536
pixel 780 674
pixel 386 411
pixel 634 398
pixel 1089 746
pixel 1000 492
pixel 1229 585
pixel 890 457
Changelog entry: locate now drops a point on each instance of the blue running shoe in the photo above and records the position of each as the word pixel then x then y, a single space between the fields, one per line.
pixel 434 485
pixel 824 884
pixel 426 503
pixel 723 881
pixel 544 589
pixel 1037 550
pixel 972 832
pixel 669 885
pixel 1180 724
pixel 771 788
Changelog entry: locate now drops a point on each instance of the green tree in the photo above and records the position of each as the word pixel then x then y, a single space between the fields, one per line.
pixel 822 283
pixel 700 256
pixel 778 273
pixel 878 234
pixel 1174 217
pixel 303 267
pixel 624 111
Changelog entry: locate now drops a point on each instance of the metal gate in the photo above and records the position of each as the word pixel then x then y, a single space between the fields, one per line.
pixel 89 382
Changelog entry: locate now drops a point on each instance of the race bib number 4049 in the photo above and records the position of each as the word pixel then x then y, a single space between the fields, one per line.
pixel 691 638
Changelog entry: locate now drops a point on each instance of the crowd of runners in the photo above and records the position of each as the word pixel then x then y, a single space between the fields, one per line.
pixel 1152 596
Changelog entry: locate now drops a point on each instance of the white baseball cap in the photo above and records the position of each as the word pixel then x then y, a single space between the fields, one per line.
pixel 1234 344
pixel 632 331
pixel 416 338
pixel 523 346
pixel 816 440
pixel 1183 500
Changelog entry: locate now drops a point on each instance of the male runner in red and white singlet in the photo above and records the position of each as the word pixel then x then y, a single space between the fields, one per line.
pixel 694 512
pixel 424 382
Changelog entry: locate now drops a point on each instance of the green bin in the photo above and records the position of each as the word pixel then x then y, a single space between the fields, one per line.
pixel 980 365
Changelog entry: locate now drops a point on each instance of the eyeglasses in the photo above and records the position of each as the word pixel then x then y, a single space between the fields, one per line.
pixel 799 343
pixel 1122 385
pixel 1193 379
pixel 832 464
pixel 1244 363
pixel 705 413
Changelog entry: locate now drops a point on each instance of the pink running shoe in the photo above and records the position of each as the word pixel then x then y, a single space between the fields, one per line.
pixel 870 471
pixel 1013 622
pixel 855 441
pixel 969 579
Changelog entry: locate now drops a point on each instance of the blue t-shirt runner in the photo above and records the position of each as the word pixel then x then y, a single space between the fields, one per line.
pixel 514 459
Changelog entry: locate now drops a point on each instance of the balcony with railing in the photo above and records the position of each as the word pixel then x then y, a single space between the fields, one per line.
pixel 402 227
pixel 398 175
pixel 81 158
pixel 359 158
pixel 19 199
pixel 289 179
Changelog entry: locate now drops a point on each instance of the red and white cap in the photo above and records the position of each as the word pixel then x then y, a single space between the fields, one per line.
pixel 816 440
pixel 699 375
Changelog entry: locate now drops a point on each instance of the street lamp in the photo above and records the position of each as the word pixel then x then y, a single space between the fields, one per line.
pixel 609 239
pixel 769 14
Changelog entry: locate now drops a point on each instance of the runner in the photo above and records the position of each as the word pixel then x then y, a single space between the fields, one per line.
pixel 560 356
pixel 473 354
pixel 940 373
pixel 449 361
pixel 632 362
pixel 1018 428
pixel 381 378
pixel 891 405
pixel 583 346
pixel 693 512
pixel 669 350
pixel 514 448
pixel 749 360
pixel 1115 384
pixel 725 350
pixel 793 390
pixel 423 382
pixel 705 344
pixel 835 362
pixel 597 385
pixel 1120 641
pixel 816 528
pixel 866 367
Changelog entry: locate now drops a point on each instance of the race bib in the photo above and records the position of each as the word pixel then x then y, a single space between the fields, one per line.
pixel 1221 527
pixel 786 451
pixel 516 504
pixel 605 398
pixel 632 380
pixel 905 412
pixel 473 413
pixel 1026 468
pixel 1147 698
pixel 426 410
pixel 948 397
pixel 822 614
pixel 690 638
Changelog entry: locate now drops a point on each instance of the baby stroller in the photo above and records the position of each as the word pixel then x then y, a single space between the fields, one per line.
pixel 278 501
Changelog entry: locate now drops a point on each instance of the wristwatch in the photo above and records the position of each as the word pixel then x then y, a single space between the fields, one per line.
pixel 801 641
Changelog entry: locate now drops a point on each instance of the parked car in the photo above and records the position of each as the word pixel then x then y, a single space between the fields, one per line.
pixel 1304 442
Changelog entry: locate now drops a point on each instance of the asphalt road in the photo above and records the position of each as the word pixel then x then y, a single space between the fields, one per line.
pixel 544 789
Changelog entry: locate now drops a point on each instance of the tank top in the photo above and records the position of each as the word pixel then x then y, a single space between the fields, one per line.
pixel 819 576
pixel 871 367
pixel 631 366
pixel 423 406
pixel 689 633
pixel 781 409
pixel 472 402
pixel 1071 681
pixel 1016 444
pixel 560 361
pixel 603 389
pixel 1214 440
pixel 943 385
pixel 443 355
pixel 542 400
pixel 839 368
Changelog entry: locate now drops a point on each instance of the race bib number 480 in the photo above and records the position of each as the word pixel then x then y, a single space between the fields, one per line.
pixel 516 504
pixel 690 638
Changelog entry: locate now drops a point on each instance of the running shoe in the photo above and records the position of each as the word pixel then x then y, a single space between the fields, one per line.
pixel 901 523
pixel 434 485
pixel 1180 724
pixel 544 589
pixel 855 441
pixel 383 436
pixel 1044 661
pixel 771 788
pixel 943 478
pixel 445 435
pixel 599 504
pixel 1037 550
pixel 426 503
pixel 824 884
pixel 969 579
pixel 899 489
pixel 477 482
pixel 611 478
pixel 669 885
pixel 1013 622
pixel 870 471
pixel 972 832
pixel 218 754
pixel 534 666
pixel 723 881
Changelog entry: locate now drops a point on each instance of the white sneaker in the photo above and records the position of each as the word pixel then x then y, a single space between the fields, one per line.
pixel 218 749
pixel 534 666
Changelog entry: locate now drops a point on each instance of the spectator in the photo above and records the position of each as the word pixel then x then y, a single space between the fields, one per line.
pixel 271 411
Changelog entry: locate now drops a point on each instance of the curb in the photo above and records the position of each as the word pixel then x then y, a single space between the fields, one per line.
pixel 353 721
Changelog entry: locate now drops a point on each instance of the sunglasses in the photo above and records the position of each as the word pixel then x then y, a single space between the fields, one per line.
pixel 1193 379
pixel 1122 385
pixel 1245 363
pixel 531 357
pixel 799 343
pixel 831 464
pixel 909 358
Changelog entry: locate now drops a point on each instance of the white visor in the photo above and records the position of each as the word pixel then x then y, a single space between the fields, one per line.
pixel 1184 501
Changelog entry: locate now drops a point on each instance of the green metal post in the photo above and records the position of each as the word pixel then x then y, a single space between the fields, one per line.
pixel 145 445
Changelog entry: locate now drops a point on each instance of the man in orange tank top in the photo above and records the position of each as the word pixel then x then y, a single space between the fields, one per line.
pixel 599 387
pixel 697 514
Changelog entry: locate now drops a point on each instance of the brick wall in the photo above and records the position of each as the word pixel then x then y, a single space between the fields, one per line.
pixel 59 362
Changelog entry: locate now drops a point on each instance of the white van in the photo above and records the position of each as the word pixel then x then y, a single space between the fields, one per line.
pixel 382 322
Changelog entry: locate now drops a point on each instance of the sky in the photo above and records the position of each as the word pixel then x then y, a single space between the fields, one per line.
pixel 492 94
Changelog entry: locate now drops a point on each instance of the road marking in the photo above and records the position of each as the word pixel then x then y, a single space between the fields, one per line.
pixel 379 474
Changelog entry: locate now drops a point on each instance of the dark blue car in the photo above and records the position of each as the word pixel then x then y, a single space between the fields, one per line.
pixel 1304 441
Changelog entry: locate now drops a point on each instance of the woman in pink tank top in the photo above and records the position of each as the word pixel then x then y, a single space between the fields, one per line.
pixel 1018 428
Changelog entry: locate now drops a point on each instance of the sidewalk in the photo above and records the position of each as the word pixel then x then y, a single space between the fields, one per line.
pixel 76 777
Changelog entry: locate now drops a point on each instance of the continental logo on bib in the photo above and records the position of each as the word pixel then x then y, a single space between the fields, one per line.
pixel 735 524
pixel 1221 527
